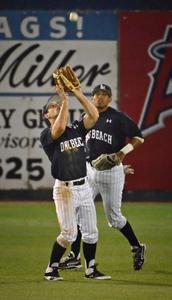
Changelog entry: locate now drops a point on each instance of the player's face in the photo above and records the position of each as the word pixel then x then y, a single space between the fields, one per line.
pixel 101 100
pixel 53 111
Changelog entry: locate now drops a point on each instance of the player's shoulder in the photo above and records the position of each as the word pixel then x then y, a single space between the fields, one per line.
pixel 122 114
pixel 115 112
pixel 78 125
pixel 109 111
pixel 75 124
pixel 44 132
pixel 119 115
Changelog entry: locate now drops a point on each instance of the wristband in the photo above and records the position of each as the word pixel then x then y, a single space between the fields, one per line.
pixel 128 148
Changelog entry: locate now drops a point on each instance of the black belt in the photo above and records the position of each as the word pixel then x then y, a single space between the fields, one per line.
pixel 79 182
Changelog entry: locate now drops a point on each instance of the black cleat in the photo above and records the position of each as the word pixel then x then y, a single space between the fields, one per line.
pixel 70 262
pixel 138 256
pixel 52 274
pixel 93 273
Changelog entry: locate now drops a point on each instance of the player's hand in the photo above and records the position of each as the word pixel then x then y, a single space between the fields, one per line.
pixel 60 90
pixel 117 157
pixel 56 77
pixel 128 170
pixel 68 79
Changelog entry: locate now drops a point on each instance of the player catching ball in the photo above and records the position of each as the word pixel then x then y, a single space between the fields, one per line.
pixel 64 146
pixel 106 149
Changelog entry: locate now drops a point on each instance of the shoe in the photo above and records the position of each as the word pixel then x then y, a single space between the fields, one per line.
pixel 52 274
pixel 70 262
pixel 93 273
pixel 138 256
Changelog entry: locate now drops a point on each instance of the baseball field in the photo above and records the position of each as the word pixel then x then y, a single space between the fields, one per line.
pixel 27 231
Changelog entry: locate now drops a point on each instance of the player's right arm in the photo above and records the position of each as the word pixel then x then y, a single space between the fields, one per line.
pixel 91 113
pixel 60 123
pixel 134 143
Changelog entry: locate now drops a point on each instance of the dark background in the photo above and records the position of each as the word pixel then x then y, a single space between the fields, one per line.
pixel 87 5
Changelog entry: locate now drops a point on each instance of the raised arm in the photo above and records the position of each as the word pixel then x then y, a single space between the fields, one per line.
pixel 71 84
pixel 60 123
pixel 91 111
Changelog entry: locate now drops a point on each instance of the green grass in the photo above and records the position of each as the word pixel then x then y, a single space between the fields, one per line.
pixel 28 230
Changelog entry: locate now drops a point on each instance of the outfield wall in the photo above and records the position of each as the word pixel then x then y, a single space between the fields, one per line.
pixel 129 53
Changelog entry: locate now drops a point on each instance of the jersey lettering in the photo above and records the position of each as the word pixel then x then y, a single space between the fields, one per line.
pixel 71 144
pixel 99 135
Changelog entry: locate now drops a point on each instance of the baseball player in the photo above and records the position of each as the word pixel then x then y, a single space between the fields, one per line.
pixel 107 140
pixel 74 204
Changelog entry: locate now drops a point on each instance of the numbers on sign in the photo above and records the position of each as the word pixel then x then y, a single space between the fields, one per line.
pixel 17 164
pixel 33 167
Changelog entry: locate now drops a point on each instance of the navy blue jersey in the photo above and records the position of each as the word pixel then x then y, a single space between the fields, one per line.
pixel 110 132
pixel 67 153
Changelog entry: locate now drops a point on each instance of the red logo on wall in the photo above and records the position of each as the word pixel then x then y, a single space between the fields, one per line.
pixel 158 103
pixel 145 94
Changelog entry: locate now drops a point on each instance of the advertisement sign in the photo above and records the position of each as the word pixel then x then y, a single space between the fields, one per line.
pixel 32 45
pixel 145 65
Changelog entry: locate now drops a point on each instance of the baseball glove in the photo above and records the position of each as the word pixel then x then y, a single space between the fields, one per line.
pixel 67 78
pixel 106 161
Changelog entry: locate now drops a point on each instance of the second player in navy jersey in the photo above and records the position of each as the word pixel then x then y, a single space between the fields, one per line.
pixel 109 135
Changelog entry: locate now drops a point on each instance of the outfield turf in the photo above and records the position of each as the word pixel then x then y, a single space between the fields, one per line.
pixel 28 230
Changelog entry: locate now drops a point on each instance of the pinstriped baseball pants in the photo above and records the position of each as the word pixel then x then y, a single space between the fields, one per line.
pixel 75 206
pixel 109 184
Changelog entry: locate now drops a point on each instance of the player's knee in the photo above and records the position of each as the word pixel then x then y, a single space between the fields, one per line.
pixel 90 238
pixel 118 223
pixel 62 242
pixel 67 237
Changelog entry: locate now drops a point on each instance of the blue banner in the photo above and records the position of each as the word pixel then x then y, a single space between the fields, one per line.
pixel 55 25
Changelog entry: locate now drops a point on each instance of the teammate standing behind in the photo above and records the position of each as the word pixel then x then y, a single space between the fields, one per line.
pixel 64 147
pixel 109 136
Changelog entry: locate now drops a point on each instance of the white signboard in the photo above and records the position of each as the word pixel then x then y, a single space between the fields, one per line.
pixel 32 46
